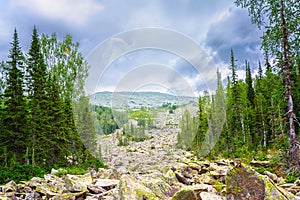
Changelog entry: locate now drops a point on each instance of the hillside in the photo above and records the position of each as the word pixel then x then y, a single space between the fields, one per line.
pixel 122 100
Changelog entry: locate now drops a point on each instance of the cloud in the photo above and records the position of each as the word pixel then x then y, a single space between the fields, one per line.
pixel 69 11
pixel 233 29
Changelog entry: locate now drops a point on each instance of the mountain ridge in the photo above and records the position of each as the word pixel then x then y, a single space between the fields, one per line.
pixel 126 99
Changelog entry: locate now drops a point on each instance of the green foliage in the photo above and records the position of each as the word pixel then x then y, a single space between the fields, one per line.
pixel 142 116
pixel 71 170
pixel 132 133
pixel 106 121
pixel 20 172
pixel 218 185
pixel 261 155
pixel 14 110
pixel 188 127
pixel 37 96
pixel 291 178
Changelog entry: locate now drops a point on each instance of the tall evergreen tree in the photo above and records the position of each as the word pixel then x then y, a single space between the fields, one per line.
pixel 250 90
pixel 38 101
pixel 14 108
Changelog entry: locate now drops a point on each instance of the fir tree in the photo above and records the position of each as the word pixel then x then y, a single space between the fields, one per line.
pixel 14 108
pixel 38 101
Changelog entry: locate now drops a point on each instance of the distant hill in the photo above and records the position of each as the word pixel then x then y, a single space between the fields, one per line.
pixel 122 100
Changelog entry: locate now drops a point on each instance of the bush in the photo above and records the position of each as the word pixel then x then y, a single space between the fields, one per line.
pixel 71 170
pixel 20 172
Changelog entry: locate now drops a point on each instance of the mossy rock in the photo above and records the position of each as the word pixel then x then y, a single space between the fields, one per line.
pixel 130 189
pixel 242 182
pixel 185 193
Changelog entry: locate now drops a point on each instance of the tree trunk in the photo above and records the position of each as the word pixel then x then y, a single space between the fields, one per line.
pixel 293 138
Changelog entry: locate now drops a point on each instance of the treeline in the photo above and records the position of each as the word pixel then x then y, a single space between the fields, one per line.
pixel 42 105
pixel 106 123
pixel 254 111
pixel 260 113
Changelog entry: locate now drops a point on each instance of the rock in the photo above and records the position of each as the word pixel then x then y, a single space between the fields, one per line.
pixel 108 173
pixel 170 177
pixel 203 170
pixel 107 183
pixel 244 183
pixel 257 163
pixel 206 178
pixel 95 189
pixel 158 186
pixel 70 196
pixel 182 179
pixel 220 174
pixel 77 183
pixel 129 189
pixel 185 194
pixel 271 176
pixel 210 196
pixel 32 195
pixel 11 186
pixel 297 182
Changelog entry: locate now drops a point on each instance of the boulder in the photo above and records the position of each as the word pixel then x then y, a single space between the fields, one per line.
pixel 130 189
pixel 210 196
pixel 11 186
pixel 185 193
pixel 77 183
pixel 206 178
pixel 170 177
pixel 107 183
pixel 242 182
pixel 158 186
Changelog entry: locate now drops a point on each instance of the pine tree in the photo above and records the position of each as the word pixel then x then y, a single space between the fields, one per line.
pixel 14 109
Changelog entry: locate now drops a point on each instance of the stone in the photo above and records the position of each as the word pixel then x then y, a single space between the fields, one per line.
pixel 129 189
pixel 206 178
pixel 218 174
pixel 257 163
pixel 95 189
pixel 210 196
pixel 158 186
pixel 107 183
pixel 182 179
pixel 186 193
pixel 77 183
pixel 170 177
pixel 271 176
pixel 243 182
pixel 11 186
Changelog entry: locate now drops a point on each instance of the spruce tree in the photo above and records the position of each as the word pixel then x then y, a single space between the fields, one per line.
pixel 250 90
pixel 38 102
pixel 14 109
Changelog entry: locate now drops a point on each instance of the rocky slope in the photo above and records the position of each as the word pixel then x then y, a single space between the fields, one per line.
pixel 155 170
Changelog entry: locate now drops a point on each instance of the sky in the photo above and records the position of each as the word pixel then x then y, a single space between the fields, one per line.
pixel 171 46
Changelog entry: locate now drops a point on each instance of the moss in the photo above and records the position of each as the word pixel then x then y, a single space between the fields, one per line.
pixel 185 193
pixel 145 193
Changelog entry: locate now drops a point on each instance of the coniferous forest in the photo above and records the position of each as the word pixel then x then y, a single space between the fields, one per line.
pixel 262 111
pixel 37 92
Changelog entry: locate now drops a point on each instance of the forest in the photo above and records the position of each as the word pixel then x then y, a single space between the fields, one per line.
pixel 37 98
